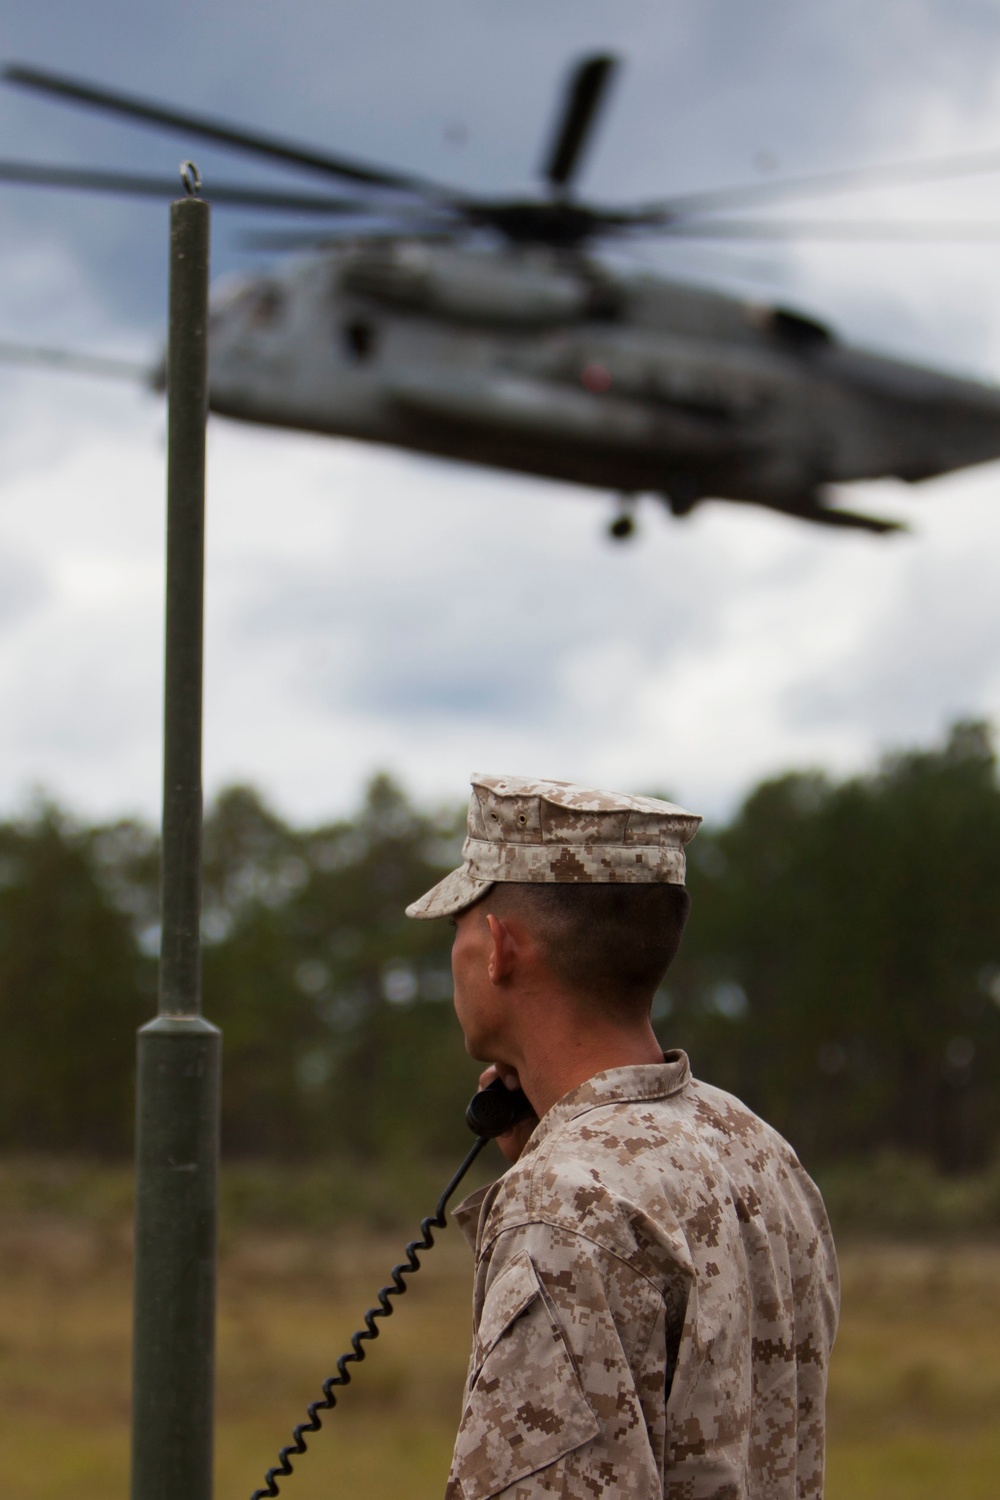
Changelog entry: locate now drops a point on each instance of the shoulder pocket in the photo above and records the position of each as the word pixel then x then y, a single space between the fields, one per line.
pixel 526 1407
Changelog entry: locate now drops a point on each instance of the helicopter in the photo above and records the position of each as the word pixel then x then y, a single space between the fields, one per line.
pixel 486 330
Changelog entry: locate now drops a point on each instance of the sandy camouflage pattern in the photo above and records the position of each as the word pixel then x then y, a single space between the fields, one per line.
pixel 553 831
pixel 655 1240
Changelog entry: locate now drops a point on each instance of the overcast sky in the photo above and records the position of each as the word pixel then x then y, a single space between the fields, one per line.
pixel 367 609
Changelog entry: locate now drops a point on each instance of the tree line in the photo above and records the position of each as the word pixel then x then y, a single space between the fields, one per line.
pixel 841 970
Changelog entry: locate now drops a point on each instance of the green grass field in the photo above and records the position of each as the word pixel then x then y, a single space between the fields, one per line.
pixel 915 1390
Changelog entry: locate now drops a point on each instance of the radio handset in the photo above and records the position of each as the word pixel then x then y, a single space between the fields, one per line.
pixel 491 1112
pixel 497 1109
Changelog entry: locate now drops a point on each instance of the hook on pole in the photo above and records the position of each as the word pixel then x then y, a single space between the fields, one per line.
pixel 191 178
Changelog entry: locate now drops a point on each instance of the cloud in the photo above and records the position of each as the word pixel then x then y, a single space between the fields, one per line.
pixel 926 652
pixel 448 592
pixel 367 610
pixel 22 589
pixel 79 673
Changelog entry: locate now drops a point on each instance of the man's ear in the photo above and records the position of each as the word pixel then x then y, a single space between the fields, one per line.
pixel 503 950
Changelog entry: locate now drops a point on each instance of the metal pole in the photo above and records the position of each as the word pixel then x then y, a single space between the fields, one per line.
pixel 177 1148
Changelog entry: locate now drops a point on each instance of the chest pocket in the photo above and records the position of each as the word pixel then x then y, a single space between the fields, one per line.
pixel 526 1407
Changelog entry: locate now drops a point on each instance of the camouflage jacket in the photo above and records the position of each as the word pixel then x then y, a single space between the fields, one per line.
pixel 655 1301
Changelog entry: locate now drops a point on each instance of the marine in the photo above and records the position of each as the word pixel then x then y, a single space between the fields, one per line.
pixel 656 1288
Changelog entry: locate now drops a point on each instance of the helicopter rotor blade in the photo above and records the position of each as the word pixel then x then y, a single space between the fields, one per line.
pixel 844 230
pixel 84 179
pixel 254 143
pixel 76 364
pixel 857 179
pixel 304 239
pixel 586 92
pixel 558 221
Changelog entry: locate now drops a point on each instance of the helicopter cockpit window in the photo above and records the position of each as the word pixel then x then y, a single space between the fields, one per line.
pixel 268 305
pixel 798 332
pixel 360 340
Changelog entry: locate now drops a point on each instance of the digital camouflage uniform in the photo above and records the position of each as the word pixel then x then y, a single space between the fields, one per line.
pixel 656 1286
pixel 655 1301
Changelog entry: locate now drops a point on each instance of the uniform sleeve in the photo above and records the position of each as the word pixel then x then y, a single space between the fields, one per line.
pixel 566 1387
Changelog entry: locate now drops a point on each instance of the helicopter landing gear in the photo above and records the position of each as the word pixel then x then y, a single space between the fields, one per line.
pixel 682 494
pixel 623 525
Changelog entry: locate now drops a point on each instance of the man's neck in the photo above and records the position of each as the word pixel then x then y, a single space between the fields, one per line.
pixel 555 1063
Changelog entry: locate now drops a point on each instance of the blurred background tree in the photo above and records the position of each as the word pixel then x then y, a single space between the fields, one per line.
pixel 73 987
pixel 841 972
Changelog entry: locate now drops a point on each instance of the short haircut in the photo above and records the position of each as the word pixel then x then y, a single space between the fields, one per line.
pixel 611 944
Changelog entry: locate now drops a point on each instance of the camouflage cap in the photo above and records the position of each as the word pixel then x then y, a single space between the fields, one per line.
pixel 552 831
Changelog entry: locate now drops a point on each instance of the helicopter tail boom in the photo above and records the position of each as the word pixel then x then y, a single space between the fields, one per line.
pixel 813 508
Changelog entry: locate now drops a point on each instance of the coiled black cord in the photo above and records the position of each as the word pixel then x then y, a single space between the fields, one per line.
pixel 371 1330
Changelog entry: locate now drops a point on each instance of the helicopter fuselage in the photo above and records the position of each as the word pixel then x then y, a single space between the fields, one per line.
pixel 539 363
pixel 524 353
